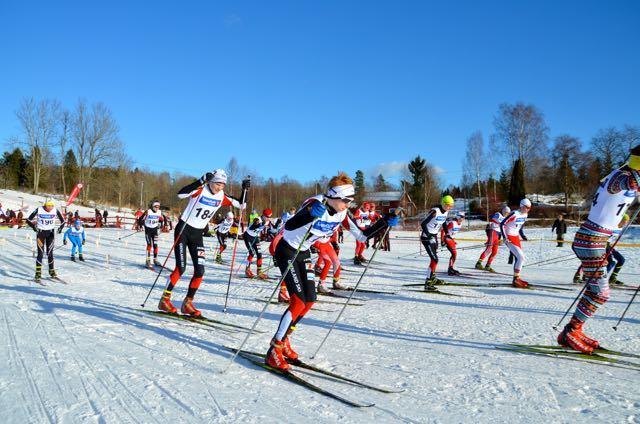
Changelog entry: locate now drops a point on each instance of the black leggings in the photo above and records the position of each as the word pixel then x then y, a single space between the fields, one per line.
pixel 222 240
pixel 191 239
pixel 45 241
pixel 300 279
pixel 253 246
pixel 430 244
pixel 151 236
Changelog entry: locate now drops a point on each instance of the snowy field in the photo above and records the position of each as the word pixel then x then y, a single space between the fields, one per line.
pixel 84 352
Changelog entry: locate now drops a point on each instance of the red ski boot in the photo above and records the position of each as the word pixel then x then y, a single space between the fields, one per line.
pixel 283 296
pixel 287 351
pixel 262 275
pixel 188 308
pixel 165 303
pixel 571 337
pixel 275 357
pixel 248 272
pixel 519 283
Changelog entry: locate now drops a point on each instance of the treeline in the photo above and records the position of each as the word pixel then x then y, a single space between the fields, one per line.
pixel 521 156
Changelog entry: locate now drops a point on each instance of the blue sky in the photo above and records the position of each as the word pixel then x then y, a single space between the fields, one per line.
pixel 306 88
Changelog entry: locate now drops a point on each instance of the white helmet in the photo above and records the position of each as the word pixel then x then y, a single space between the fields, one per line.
pixel 460 215
pixel 230 215
pixel 506 210
pixel 526 203
pixel 219 176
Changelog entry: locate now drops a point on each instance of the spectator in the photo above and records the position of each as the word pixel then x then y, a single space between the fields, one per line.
pixel 105 214
pixel 560 227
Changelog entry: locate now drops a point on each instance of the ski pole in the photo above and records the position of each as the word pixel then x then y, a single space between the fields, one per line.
pixel 235 247
pixel 175 242
pixel 571 255
pixel 604 260
pixel 348 299
pixel 411 254
pixel 273 293
pixel 129 235
pixel 615 327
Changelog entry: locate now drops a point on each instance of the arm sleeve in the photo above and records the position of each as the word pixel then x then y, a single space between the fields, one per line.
pixel 504 221
pixel 83 236
pixel 231 201
pixel 30 219
pixel 66 234
pixel 141 219
pixel 189 189
pixel 555 224
pixel 301 218
pixel 524 237
pixel 426 221
pixel 363 235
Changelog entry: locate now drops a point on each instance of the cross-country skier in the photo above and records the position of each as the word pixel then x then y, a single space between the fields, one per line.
pixel 493 239
pixel 615 194
pixel 151 221
pixel 449 230
pixel 318 216
pixel 75 234
pixel 431 226
pixel 510 228
pixel 206 195
pixel 363 221
pixel 328 251
pixel 45 225
pixel 222 232
pixel 251 239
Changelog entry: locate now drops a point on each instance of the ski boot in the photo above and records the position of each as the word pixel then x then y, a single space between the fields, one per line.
pixel 430 284
pixel 219 259
pixel 275 357
pixel 52 273
pixel 452 271
pixel 519 283
pixel 572 337
pixel 322 287
pixel 283 296
pixel 38 276
pixel 488 268
pixel 73 258
pixel 362 259
pixel 248 272
pixel 165 303
pixel 156 262
pixel 479 266
pixel 337 285
pixel 262 275
pixel 356 261
pixel 613 280
pixel 188 308
pixel 577 278
pixel 287 351
pixel 148 263
pixel 80 258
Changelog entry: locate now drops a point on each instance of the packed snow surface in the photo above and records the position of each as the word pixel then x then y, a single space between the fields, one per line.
pixel 84 352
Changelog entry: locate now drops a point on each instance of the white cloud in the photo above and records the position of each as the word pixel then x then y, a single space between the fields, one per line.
pixel 232 20
pixel 389 170
pixel 438 170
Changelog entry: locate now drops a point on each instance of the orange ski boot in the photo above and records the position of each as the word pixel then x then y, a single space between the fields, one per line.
pixel 165 303
pixel 188 308
pixel 248 272
pixel 287 351
pixel 262 275
pixel 571 337
pixel 275 357
pixel 519 283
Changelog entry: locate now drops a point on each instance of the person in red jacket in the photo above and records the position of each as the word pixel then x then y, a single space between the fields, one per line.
pixel 448 238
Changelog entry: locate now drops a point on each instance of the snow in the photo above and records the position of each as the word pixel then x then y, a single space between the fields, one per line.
pixel 83 352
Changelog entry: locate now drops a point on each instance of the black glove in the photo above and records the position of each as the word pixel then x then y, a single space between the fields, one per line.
pixel 60 228
pixel 443 243
pixel 206 178
pixel 246 183
pixel 34 229
pixel 83 242
pixel 64 242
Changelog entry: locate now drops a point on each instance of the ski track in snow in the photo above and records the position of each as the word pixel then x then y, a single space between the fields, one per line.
pixel 82 352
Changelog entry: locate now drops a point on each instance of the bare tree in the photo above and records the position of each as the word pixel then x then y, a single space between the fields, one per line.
pixel 95 140
pixel 520 131
pixel 39 126
pixel 475 161
pixel 631 135
pixel 63 139
pixel 610 149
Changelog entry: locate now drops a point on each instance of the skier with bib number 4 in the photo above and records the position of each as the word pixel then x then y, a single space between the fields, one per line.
pixel 615 194
pixel 431 227
pixel 206 195
pixel 317 218
pixel 510 228
pixel 151 221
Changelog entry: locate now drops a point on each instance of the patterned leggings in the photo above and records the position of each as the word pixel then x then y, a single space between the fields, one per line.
pixel 590 246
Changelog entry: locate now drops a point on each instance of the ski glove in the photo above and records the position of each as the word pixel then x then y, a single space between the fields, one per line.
pixel 318 209
pixel 64 242
pixel 83 242
pixel 392 219
pixel 206 178
pixel 246 183
pixel 60 229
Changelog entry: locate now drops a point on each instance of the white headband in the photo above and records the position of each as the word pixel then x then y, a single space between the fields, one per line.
pixel 341 192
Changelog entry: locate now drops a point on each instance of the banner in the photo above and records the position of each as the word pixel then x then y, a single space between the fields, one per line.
pixel 74 193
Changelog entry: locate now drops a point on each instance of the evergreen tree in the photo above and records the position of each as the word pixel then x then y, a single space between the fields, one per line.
pixel 417 168
pixel 71 170
pixel 517 190
pixel 359 186
pixel 380 184
pixel 14 167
